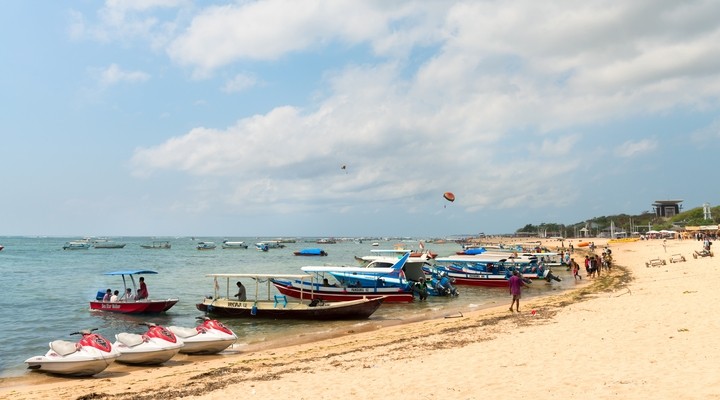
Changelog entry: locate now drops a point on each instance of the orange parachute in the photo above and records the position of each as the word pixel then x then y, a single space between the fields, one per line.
pixel 449 196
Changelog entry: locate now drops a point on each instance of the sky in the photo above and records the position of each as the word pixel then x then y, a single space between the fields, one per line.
pixel 352 118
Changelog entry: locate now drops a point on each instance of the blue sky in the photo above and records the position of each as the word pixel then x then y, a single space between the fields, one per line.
pixel 172 117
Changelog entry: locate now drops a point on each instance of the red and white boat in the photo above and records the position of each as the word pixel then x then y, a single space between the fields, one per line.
pixel 310 290
pixel 131 306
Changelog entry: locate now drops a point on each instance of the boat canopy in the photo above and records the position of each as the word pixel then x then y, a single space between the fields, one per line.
pixel 260 276
pixel 132 272
pixel 348 270
pixel 314 251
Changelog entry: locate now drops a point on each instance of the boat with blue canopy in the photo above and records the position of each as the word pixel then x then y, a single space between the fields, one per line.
pixel 131 305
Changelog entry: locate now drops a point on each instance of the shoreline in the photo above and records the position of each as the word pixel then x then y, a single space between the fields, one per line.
pixel 597 327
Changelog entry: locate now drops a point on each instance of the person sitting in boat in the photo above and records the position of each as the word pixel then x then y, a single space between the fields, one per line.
pixel 127 296
pixel 241 295
pixel 142 293
pixel 326 283
pixel 108 295
pixel 114 297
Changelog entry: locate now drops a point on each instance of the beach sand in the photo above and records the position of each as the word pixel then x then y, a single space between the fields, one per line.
pixel 639 332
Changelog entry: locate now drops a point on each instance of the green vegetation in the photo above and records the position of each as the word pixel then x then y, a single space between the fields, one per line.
pixel 623 222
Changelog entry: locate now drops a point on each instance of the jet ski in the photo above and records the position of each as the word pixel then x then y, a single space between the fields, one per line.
pixel 89 356
pixel 155 346
pixel 210 337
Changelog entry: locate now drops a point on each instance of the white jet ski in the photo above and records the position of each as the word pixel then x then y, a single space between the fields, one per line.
pixel 155 346
pixel 89 356
pixel 210 337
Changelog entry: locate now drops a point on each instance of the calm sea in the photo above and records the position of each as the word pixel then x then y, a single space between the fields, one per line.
pixel 46 290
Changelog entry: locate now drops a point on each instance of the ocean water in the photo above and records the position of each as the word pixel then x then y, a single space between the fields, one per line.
pixel 46 290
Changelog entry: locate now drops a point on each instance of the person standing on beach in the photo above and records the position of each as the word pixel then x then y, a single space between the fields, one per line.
pixel 516 284
pixel 420 287
pixel 575 269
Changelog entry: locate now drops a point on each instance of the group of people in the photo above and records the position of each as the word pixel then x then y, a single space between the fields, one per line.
pixel 113 297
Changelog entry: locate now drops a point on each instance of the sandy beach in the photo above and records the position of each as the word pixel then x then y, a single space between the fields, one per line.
pixel 635 333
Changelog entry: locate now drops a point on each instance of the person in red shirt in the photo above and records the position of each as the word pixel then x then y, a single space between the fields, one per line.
pixel 142 293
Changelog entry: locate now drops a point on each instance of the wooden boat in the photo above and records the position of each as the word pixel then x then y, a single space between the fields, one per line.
pixel 156 245
pixel 278 306
pixel 145 306
pixel 311 252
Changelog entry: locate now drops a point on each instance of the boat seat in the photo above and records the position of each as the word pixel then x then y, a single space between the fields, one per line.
pixel 182 331
pixel 280 299
pixel 63 347
pixel 130 339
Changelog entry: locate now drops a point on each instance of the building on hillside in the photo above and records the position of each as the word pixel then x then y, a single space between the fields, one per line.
pixel 667 208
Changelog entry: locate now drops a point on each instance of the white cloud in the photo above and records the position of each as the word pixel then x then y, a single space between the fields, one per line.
pixel 268 30
pixel 113 74
pixel 489 104
pixel 239 83
pixel 121 20
pixel 635 148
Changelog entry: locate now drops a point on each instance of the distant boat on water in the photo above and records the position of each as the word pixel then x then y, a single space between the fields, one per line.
pixel 311 252
pixel 108 245
pixel 226 244
pixel 156 245
pixel 77 245
pixel 206 246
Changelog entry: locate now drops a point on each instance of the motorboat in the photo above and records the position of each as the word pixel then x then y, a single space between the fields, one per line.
pixel 1 247
pixel 77 245
pixel 210 337
pixel 206 246
pixel 131 306
pixel 311 252
pixel 91 355
pixel 262 246
pixel 227 244
pixel 278 306
pixel 305 289
pixel 155 346
pixel 156 245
